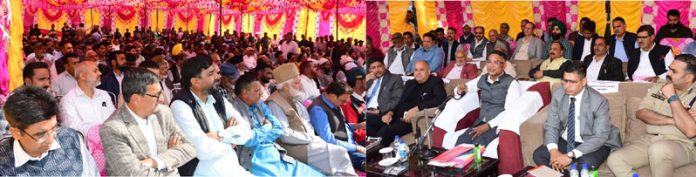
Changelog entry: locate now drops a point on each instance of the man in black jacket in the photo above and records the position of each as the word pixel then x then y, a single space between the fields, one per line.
pixel 601 66
pixel 622 42
pixel 423 92
pixel 583 45
pixel 673 28
pixel 651 61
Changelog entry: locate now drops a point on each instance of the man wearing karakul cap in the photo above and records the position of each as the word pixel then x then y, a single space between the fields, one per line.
pixel 298 138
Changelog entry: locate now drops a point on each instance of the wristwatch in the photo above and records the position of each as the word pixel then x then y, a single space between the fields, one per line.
pixel 672 98
pixel 571 155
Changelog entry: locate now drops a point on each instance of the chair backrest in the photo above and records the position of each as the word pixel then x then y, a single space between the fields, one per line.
pixel 522 67
pixel 449 87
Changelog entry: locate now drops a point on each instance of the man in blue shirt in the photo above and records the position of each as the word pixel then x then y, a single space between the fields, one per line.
pixel 260 154
pixel 330 124
pixel 429 52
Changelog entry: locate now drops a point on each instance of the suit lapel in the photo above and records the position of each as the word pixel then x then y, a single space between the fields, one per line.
pixel 584 110
pixel 134 130
pixel 565 110
pixel 159 132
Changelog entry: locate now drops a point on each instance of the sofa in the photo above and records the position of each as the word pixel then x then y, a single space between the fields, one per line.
pixel 622 107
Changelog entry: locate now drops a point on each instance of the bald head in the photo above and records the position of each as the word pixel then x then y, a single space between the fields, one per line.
pixel 421 71
pixel 87 72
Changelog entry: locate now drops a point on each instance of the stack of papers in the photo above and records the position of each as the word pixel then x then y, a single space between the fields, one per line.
pixel 457 157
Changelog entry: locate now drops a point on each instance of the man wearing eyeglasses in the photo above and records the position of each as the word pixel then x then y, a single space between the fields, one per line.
pixel 578 128
pixel 651 62
pixel 141 138
pixel 494 88
pixel 38 146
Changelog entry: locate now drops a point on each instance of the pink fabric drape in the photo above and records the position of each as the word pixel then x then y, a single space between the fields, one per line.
pixel 555 9
pixel 453 11
pixel 4 73
pixel 28 18
pixel 238 26
pixel 200 26
pixel 289 22
pixel 257 26
pixel 325 23
pixel 169 20
pixel 372 28
pixel 664 6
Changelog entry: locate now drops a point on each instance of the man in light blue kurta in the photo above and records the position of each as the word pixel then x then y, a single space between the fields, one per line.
pixel 260 154
pixel 429 52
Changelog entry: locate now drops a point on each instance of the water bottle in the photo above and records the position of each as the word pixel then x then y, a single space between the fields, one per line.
pixel 585 172
pixel 574 170
pixel 395 146
pixel 403 151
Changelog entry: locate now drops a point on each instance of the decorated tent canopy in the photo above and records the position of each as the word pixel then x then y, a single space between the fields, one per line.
pixel 303 17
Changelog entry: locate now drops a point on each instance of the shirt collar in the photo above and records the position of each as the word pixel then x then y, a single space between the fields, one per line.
pixel 323 97
pixel 579 96
pixel 211 99
pixel 140 120
pixel 21 157
pixel 651 47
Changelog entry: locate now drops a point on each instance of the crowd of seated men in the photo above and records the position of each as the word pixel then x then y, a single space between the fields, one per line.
pixel 578 127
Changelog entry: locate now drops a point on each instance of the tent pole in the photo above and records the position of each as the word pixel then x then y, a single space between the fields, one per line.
pixel 336 22
pixel 220 27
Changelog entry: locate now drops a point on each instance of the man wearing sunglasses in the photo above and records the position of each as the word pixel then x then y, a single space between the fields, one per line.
pixel 38 146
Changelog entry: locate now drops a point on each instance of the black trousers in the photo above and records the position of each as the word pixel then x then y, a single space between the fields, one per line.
pixel 483 139
pixel 596 158
pixel 374 124
pixel 387 132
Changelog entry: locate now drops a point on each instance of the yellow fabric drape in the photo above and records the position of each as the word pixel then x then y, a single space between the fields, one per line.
pixel 273 29
pixel 209 24
pixel 312 27
pixel 426 15
pixel 301 23
pixel 123 24
pixel 157 20
pixel 92 17
pixel 631 11
pixel 358 33
pixel 247 23
pixel 397 17
pixel 491 14
pixel 179 23
pixel 596 11
pixel 15 62
pixel 229 27
pixel 45 24
pixel 306 24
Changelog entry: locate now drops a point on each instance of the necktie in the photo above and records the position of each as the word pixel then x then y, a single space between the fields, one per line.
pixel 571 125
pixel 374 91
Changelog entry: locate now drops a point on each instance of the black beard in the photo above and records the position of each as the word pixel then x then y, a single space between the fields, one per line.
pixel 556 36
pixel 213 89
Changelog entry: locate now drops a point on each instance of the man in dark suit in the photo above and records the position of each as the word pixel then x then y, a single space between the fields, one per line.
pixel 650 62
pixel 601 66
pixel 111 80
pixel 423 92
pixel 583 45
pixel 449 46
pixel 622 42
pixel 383 92
pixel 578 127
pixel 674 28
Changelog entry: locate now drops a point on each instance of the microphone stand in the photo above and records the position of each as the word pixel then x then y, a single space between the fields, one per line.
pixel 429 153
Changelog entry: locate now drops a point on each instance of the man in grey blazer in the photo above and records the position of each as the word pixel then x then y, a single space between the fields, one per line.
pixel 578 127
pixel 141 138
pixel 383 93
